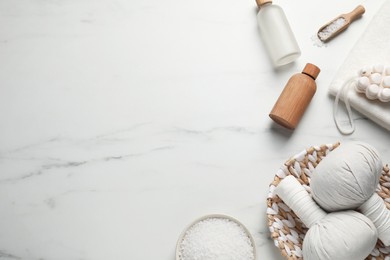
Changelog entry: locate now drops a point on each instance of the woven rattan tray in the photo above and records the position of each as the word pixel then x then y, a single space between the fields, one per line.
pixel 286 228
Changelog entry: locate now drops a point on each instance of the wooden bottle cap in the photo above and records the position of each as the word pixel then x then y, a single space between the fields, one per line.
pixel 262 2
pixel 311 70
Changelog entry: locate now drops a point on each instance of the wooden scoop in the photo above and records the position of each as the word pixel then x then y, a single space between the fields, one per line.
pixel 339 24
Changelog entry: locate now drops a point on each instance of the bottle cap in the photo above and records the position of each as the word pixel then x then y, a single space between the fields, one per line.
pixel 262 2
pixel 311 70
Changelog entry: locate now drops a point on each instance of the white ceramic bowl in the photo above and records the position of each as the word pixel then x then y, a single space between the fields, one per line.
pixel 181 237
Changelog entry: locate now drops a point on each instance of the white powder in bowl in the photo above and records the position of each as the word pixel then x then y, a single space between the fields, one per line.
pixel 331 28
pixel 216 238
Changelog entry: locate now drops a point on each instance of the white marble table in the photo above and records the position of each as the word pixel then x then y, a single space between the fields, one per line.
pixel 123 121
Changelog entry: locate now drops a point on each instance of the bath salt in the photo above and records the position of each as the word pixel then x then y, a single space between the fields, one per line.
pixel 216 239
pixel 331 28
pixel 317 42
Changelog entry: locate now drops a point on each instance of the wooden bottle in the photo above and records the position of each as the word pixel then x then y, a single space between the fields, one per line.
pixel 295 97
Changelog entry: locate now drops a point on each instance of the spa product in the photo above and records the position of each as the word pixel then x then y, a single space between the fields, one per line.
pixel 372 47
pixel 276 33
pixel 216 237
pixel 295 97
pixel 344 235
pixel 374 82
pixel 339 24
pixel 347 179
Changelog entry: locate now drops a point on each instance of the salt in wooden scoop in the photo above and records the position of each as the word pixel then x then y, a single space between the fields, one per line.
pixel 339 24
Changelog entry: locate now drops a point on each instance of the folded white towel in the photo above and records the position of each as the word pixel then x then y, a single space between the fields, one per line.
pixel 372 48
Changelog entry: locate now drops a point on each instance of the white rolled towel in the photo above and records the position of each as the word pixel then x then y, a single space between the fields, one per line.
pixel 346 235
pixel 296 197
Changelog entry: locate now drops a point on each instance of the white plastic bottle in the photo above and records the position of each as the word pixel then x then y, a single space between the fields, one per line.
pixel 276 33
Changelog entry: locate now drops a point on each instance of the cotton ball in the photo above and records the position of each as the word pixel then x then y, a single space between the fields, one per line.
pixel 345 235
pixel 346 177
pixel 384 95
pixel 378 68
pixel 375 78
pixel 386 82
pixel 372 91
pixel 362 84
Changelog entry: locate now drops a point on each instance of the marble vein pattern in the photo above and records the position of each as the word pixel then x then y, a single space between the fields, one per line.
pixel 62 191
pixel 123 121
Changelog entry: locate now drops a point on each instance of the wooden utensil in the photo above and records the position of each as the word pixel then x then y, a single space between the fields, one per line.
pixel 339 24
